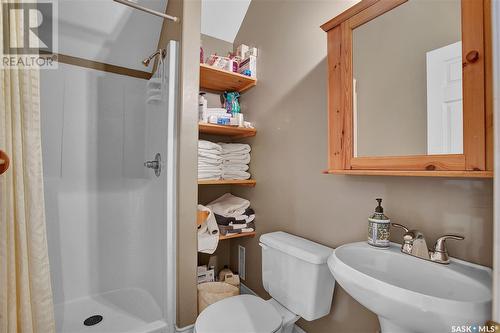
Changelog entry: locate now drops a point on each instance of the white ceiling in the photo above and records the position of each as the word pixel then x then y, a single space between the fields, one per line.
pixel 222 18
pixel 109 32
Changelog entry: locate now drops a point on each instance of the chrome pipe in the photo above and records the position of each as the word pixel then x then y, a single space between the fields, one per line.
pixel 147 10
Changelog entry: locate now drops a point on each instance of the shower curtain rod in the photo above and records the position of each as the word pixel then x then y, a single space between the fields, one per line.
pixel 147 10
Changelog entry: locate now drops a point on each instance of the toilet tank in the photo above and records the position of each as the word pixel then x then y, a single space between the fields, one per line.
pixel 295 273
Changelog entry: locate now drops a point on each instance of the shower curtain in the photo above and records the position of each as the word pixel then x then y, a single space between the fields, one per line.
pixel 25 289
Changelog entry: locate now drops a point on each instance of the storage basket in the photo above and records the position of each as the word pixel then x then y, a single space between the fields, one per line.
pixel 211 292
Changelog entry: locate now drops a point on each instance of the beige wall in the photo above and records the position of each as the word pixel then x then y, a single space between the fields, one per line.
pixel 389 64
pixel 214 45
pixel 289 107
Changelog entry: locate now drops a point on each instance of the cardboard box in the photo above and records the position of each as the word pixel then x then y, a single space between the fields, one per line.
pixel 249 63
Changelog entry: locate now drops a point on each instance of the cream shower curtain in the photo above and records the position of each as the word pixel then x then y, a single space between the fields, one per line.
pixel 25 289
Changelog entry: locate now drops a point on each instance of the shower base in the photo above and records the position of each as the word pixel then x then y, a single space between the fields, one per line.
pixel 123 311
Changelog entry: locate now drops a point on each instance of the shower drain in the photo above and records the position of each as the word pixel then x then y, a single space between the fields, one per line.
pixel 92 320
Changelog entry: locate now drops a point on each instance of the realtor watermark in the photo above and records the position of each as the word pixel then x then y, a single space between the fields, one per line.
pixel 473 329
pixel 30 37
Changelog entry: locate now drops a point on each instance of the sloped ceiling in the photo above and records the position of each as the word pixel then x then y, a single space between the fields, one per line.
pixel 222 18
pixel 109 32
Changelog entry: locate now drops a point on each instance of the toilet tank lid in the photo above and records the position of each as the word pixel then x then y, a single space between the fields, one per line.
pixel 297 246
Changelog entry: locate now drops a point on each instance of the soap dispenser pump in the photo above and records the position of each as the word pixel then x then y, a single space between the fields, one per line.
pixel 379 227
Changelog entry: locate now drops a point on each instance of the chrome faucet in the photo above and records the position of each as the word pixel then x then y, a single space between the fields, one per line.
pixel 415 245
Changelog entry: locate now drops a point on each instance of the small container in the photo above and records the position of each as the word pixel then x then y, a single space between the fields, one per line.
pixel 223 272
pixel 202 108
pixel 379 227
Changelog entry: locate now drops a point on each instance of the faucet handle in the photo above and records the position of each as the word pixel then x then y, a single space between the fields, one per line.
pixel 440 254
pixel 400 226
pixel 408 238
pixel 440 245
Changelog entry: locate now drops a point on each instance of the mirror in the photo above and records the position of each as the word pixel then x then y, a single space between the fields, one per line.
pixel 407 80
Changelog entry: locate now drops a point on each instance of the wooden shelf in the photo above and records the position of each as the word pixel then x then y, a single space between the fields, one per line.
pixel 231 131
pixel 243 234
pixel 414 173
pixel 216 79
pixel 247 182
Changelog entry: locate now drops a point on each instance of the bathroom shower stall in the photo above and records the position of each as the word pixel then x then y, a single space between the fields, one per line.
pixel 110 219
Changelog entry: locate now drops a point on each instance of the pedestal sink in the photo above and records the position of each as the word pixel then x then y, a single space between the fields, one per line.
pixel 410 294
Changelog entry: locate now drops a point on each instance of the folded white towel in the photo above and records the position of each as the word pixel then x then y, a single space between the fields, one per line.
pixel 235 175
pixel 204 144
pixel 210 151
pixel 210 165
pixel 216 171
pixel 234 147
pixel 209 161
pixel 235 158
pixel 229 205
pixel 234 167
pixel 212 156
pixel 209 174
pixel 208 233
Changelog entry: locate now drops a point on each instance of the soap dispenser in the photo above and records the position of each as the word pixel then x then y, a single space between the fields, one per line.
pixel 379 227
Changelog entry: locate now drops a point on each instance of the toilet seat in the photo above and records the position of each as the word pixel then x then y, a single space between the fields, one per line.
pixel 242 314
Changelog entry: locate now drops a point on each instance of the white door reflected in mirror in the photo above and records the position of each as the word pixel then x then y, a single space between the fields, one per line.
pixel 444 100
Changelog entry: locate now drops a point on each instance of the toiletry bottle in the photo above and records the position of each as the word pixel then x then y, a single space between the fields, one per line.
pixel 223 272
pixel 379 227
pixel 202 105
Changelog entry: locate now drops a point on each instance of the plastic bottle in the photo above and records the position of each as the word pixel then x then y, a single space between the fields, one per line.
pixel 202 108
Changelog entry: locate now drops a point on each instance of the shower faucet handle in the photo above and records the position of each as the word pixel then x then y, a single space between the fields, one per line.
pixel 151 164
pixel 154 164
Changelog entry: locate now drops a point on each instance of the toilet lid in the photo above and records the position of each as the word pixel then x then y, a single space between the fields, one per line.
pixel 242 314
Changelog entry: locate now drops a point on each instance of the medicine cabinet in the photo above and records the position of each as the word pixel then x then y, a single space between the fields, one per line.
pixel 409 89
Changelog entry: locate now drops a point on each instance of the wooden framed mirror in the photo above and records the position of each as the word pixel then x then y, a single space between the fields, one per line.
pixel 409 89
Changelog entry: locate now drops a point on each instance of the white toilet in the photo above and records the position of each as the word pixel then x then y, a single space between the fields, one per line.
pixel 294 273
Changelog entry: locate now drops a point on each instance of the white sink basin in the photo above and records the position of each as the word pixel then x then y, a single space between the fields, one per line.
pixel 410 294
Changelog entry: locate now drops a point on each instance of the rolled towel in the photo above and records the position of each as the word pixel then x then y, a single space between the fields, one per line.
pixel 235 147
pixel 204 144
pixel 208 233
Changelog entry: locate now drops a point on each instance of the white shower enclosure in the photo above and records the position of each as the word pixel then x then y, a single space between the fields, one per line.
pixel 110 220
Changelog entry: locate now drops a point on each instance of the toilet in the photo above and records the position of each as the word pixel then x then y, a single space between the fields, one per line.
pixel 294 273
